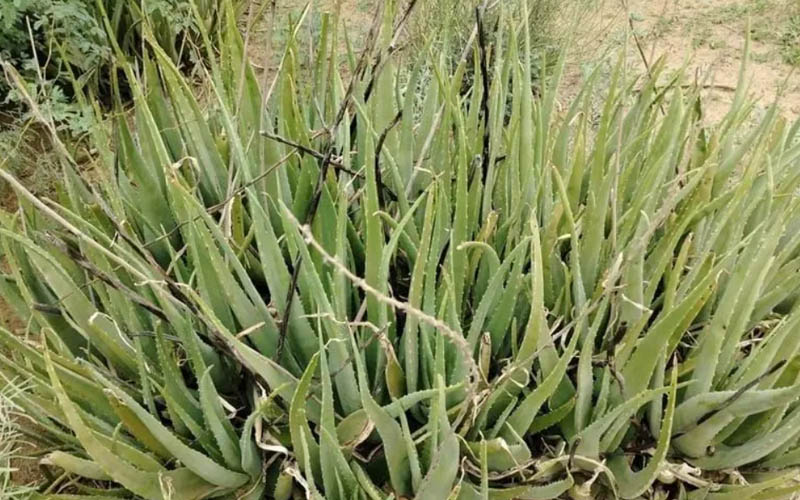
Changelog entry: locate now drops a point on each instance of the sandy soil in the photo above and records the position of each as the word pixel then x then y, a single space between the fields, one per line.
pixel 708 36
pixel 264 38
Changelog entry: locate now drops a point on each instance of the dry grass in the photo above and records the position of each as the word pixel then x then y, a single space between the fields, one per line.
pixel 13 474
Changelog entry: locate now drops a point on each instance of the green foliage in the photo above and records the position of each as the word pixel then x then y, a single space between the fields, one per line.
pixel 790 40
pixel 424 291
pixel 27 24
pixel 58 45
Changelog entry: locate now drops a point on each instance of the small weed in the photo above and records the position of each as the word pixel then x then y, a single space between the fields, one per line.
pixel 736 12
pixel 790 41
pixel 762 57
pixel 702 37
pixel 663 26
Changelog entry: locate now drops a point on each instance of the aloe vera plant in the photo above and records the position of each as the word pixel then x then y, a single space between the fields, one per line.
pixel 387 285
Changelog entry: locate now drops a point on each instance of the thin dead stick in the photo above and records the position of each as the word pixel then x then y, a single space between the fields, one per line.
pixel 116 284
pixel 739 393
pixel 710 86
pixel 323 174
pixel 457 338
pixel 336 162
pixel 485 95
pixel 378 149
pixel 640 49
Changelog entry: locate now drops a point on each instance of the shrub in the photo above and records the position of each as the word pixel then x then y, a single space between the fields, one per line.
pixel 57 45
pixel 440 294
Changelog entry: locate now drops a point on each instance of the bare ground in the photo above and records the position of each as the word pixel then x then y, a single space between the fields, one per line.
pixel 705 36
pixel 708 37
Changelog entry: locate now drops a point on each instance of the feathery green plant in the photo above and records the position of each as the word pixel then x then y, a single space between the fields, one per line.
pixel 395 286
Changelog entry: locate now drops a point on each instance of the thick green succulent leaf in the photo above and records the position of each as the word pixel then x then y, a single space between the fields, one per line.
pixel 337 476
pixel 303 443
pixel 634 484
pixel 522 418
pixel 143 483
pixel 218 422
pixel 735 456
pixel 195 461
pixel 438 482
pixel 76 465
pixel 549 491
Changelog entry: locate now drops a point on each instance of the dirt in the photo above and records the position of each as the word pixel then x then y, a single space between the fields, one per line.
pixel 267 34
pixel 26 470
pixel 708 37
pixel 705 36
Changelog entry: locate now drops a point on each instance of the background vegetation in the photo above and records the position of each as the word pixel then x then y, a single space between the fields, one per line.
pixel 62 57
pixel 63 46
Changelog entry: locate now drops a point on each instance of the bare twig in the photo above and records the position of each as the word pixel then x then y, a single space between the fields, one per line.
pixel 457 338
pixel 485 96
pixel 336 162
pixel 751 384
pixel 378 148
pixel 116 284
pixel 323 173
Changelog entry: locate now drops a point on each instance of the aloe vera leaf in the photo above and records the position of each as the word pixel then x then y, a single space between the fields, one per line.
pixel 735 456
pixel 145 484
pixel 192 459
pixel 522 418
pixel 76 465
pixel 633 484
pixel 217 421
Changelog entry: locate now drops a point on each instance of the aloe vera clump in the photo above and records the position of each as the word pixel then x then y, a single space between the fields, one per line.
pixel 387 285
